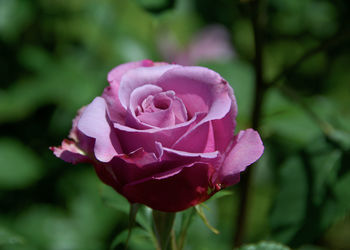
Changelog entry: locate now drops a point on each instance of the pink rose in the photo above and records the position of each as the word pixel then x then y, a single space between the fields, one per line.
pixel 163 135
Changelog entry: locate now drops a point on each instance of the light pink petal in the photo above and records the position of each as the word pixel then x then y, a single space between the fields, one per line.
pixel 94 123
pixel 226 124
pixel 247 149
pixel 137 96
pixel 110 94
pixel 116 73
pixel 200 89
pixel 204 90
pixel 69 152
pixel 137 77
pixel 160 119
pixel 179 110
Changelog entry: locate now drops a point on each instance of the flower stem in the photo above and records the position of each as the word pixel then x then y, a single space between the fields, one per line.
pixel 163 224
pixel 257 7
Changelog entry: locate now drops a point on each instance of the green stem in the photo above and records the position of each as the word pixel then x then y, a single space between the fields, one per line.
pixel 186 221
pixel 163 224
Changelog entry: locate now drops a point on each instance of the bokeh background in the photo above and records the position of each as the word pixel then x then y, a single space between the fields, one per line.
pixel 54 58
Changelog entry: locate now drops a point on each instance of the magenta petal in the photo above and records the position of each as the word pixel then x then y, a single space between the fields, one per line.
pixel 197 140
pixel 94 123
pixel 247 149
pixel 165 194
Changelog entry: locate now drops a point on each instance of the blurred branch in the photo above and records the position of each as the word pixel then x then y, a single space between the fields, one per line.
pixel 257 18
pixel 337 38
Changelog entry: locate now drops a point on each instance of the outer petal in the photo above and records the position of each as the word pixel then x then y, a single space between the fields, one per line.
pixel 115 75
pixel 165 193
pixel 140 165
pixel 69 152
pixel 246 149
pixel 95 124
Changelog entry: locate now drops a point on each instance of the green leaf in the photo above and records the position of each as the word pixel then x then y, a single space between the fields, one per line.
pixel 8 238
pixel 139 240
pixel 113 199
pixel 290 207
pixel 19 166
pixel 264 245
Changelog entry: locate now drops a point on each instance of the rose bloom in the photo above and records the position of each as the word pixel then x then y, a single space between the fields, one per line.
pixel 163 135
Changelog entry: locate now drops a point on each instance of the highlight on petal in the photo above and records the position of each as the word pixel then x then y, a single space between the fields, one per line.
pixel 94 123
pixel 69 152
pixel 116 73
pixel 247 148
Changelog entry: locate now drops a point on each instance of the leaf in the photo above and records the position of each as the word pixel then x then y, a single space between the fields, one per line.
pixel 290 206
pixel 264 245
pixel 113 199
pixel 139 240
pixel 8 238
pixel 201 214
pixel 19 166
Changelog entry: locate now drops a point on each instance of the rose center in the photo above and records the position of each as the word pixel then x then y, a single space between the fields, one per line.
pixel 161 102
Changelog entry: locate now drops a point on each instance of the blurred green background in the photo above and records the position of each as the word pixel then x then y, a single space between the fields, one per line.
pixel 54 58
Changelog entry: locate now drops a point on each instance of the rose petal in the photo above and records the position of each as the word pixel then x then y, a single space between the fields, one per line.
pixel 200 89
pixel 197 140
pixel 131 139
pixel 166 195
pixel 116 73
pixel 247 149
pixel 137 77
pixel 69 152
pixel 94 123
pixel 110 94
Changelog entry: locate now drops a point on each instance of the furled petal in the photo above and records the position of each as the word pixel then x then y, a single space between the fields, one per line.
pixel 116 111
pixel 137 77
pixel 246 149
pixel 94 123
pixel 200 89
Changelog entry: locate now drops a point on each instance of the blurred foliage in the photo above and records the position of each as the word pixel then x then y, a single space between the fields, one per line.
pixel 54 57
